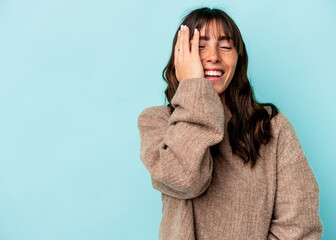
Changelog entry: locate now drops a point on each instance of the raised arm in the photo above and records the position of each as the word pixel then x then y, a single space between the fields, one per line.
pixel 175 148
pixel 295 214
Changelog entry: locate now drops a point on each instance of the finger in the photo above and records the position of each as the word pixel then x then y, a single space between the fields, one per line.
pixel 185 40
pixel 180 46
pixel 178 41
pixel 195 42
pixel 175 50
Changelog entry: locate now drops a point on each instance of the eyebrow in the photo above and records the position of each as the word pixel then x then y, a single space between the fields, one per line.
pixel 221 38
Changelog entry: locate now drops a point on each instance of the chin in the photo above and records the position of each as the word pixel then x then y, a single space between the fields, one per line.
pixel 219 87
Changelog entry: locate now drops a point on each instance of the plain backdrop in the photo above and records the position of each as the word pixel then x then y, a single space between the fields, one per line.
pixel 75 74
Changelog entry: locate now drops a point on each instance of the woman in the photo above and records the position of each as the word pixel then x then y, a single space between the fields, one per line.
pixel 197 148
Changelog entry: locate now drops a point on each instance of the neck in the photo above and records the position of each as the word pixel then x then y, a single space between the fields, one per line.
pixel 222 98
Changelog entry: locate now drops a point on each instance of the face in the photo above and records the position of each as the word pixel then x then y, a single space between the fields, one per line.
pixel 218 54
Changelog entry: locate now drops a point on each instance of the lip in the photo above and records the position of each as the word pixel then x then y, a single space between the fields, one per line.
pixel 213 69
pixel 213 79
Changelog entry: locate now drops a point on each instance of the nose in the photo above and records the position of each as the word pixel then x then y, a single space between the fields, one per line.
pixel 211 54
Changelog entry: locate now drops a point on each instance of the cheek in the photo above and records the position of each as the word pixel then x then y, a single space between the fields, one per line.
pixel 201 54
pixel 233 66
pixel 232 62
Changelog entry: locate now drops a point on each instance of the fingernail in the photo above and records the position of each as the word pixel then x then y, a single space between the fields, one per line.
pixel 181 27
pixel 195 30
pixel 178 33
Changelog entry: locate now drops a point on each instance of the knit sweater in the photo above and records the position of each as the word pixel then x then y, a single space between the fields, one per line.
pixel 208 196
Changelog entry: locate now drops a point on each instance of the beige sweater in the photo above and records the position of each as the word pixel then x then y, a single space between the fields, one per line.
pixel 208 197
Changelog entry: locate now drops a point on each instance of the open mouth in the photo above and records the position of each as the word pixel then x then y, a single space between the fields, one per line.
pixel 213 75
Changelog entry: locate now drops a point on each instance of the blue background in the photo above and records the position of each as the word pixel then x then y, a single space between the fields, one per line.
pixel 74 76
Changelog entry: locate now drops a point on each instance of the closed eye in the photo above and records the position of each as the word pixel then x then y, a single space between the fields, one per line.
pixel 221 47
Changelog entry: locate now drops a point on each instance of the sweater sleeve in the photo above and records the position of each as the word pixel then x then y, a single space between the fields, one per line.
pixel 175 148
pixel 296 208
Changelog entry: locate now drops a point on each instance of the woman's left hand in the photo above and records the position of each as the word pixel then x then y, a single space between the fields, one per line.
pixel 187 60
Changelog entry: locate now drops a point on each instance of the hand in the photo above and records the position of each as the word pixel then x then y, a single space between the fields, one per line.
pixel 187 61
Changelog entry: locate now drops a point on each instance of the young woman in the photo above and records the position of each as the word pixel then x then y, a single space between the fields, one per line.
pixel 197 148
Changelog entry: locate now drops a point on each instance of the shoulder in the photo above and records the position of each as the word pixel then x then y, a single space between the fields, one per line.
pixel 151 115
pixel 156 111
pixel 287 139
pixel 279 121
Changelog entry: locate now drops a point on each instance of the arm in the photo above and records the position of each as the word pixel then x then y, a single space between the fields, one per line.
pixel 295 214
pixel 175 148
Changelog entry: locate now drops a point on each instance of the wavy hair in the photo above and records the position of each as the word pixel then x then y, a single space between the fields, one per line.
pixel 249 126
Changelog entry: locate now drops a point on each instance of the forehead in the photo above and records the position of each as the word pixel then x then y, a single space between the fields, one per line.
pixel 214 29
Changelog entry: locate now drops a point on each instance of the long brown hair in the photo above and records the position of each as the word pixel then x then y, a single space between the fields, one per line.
pixel 249 126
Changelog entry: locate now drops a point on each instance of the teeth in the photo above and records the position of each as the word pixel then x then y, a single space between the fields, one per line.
pixel 213 73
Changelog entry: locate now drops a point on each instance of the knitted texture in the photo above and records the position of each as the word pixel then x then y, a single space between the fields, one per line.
pixel 207 196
